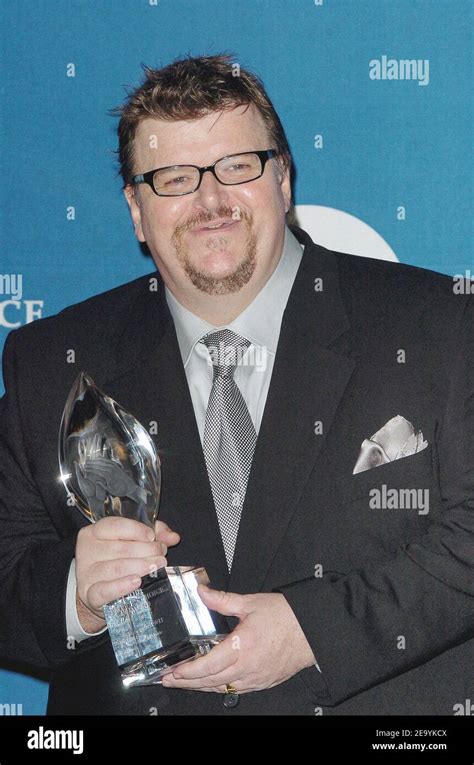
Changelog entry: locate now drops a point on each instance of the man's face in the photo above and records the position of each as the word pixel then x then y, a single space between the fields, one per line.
pixel 190 256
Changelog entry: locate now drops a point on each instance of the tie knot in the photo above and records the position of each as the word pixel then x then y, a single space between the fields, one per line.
pixel 226 349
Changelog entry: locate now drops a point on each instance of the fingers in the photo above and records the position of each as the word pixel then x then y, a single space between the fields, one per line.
pixel 221 658
pixel 125 538
pixel 216 683
pixel 211 672
pixel 126 567
pixel 119 578
pixel 113 555
pixel 226 603
pixel 123 549
pixel 105 592
pixel 116 527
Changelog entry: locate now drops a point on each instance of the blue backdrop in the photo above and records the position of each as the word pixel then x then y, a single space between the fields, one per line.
pixel 394 151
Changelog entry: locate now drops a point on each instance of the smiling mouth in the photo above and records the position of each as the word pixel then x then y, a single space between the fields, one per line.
pixel 215 227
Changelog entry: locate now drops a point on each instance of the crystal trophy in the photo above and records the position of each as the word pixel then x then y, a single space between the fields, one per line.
pixel 109 466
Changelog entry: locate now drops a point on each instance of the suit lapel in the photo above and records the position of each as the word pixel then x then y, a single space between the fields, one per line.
pixel 308 381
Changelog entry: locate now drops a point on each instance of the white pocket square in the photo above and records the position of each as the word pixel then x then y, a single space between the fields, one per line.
pixel 396 439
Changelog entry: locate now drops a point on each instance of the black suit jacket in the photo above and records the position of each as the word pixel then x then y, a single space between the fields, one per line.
pixel 390 611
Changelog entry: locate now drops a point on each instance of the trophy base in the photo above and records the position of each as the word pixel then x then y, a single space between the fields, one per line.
pixel 161 624
pixel 150 669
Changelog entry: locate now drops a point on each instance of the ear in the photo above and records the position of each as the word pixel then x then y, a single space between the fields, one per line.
pixel 132 201
pixel 284 179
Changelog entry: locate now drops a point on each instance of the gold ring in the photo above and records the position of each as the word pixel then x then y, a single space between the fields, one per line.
pixel 230 688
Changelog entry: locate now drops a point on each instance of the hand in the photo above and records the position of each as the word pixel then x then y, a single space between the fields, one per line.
pixel 266 648
pixel 111 557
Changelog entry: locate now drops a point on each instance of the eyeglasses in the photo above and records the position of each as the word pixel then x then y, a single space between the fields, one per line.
pixel 177 180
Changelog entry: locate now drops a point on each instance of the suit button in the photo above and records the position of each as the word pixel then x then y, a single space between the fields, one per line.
pixel 231 700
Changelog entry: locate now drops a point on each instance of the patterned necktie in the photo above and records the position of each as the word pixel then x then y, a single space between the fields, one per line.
pixel 229 436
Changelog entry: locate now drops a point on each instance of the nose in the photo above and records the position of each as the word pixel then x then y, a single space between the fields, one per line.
pixel 211 193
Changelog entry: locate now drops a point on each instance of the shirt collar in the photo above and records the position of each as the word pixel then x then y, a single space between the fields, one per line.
pixel 260 322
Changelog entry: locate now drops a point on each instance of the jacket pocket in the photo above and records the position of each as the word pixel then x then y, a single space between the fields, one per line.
pixel 413 472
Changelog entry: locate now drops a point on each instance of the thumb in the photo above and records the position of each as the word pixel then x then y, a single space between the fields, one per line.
pixel 165 534
pixel 226 603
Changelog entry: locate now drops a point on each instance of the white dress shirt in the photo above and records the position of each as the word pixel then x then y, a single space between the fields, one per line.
pixel 260 323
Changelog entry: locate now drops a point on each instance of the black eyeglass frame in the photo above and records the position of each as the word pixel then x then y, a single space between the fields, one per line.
pixel 147 177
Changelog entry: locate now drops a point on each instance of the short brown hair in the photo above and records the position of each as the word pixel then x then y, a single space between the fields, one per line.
pixel 190 88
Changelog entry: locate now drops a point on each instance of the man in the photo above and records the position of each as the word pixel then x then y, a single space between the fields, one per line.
pixel 328 490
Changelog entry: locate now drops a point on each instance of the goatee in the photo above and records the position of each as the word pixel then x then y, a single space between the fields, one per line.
pixel 217 285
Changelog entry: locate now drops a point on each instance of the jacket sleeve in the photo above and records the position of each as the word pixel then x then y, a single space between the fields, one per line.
pixel 34 559
pixel 424 593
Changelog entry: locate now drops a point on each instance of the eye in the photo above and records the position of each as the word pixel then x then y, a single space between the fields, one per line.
pixel 238 166
pixel 177 181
